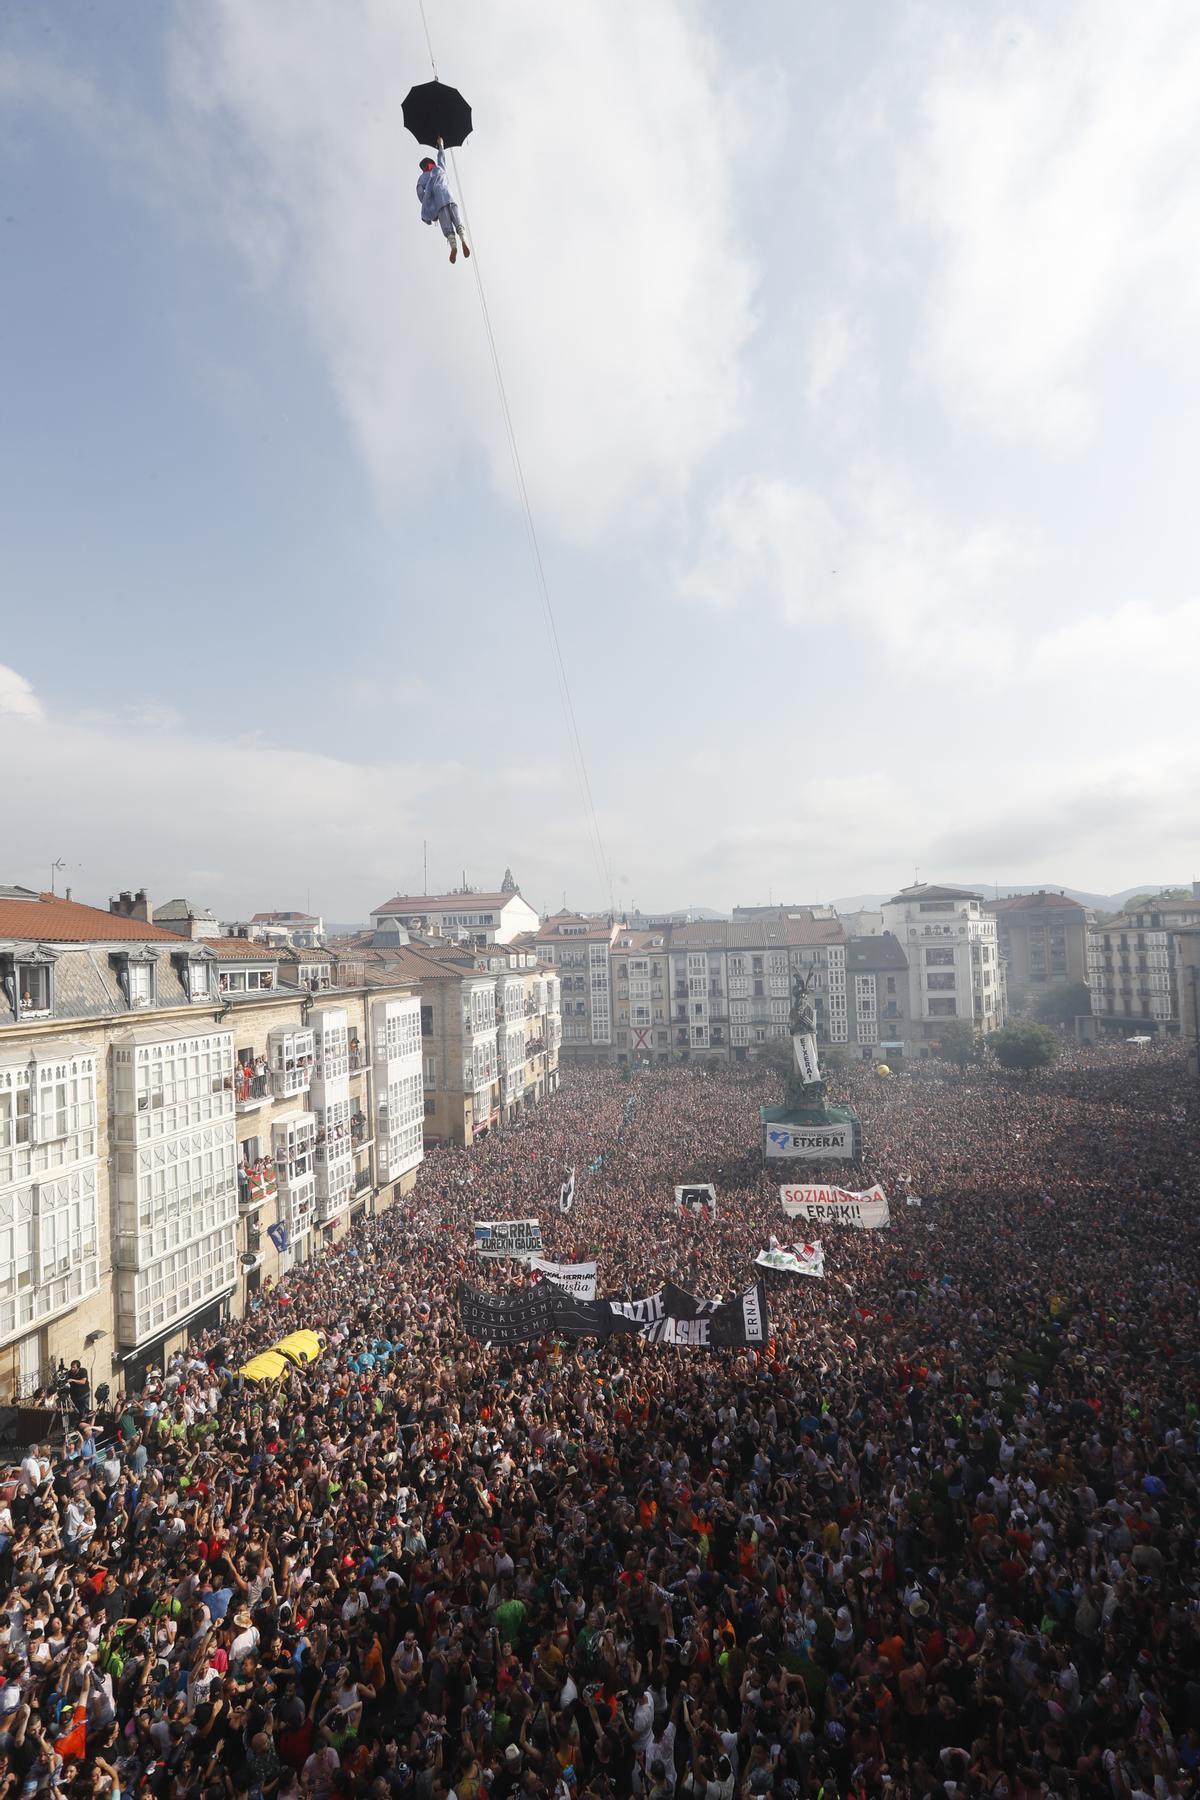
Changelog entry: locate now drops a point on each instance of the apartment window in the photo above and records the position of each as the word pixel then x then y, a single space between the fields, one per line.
pixel 891 984
pixel 939 959
pixel 930 906
pixel 429 1108
pixel 758 988
pixel 245 981
pixel 943 1009
pixel 197 981
pixel 942 983
pixel 33 988
pixel 14 1118
pixel 139 983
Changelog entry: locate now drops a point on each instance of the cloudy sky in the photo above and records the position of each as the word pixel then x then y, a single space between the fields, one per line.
pixel 853 357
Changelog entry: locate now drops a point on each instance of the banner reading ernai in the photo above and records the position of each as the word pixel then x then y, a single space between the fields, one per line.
pixel 812 1143
pixel 508 1237
pixel 819 1204
pixel 573 1278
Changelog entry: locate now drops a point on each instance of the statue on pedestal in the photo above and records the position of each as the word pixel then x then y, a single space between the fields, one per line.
pixel 805 1087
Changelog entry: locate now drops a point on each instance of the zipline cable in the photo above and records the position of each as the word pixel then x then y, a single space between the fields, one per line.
pixel 574 739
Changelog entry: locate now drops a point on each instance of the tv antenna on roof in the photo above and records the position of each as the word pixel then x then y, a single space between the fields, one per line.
pixel 54 868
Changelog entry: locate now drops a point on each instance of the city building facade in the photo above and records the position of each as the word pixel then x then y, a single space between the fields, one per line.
pixel 954 970
pixel 490 1027
pixel 1134 964
pixel 877 997
pixel 176 1124
pixel 578 949
pixel 477 918
pixel 1043 940
pixel 294 930
pixel 1187 940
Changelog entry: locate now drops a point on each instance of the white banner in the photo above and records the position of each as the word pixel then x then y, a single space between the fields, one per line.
pixel 801 1259
pixel 574 1278
pixel 508 1237
pixel 566 1193
pixel 804 1047
pixel 815 1143
pixel 823 1205
pixel 697 1198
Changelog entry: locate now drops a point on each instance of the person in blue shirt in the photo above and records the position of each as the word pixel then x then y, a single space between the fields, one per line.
pixel 438 203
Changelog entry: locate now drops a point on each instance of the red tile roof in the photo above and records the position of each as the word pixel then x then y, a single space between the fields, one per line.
pixel 413 962
pixel 870 955
pixel 52 920
pixel 753 934
pixel 427 903
pixel 233 948
pixel 1032 903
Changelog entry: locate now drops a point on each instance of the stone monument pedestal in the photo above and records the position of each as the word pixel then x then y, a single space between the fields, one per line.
pixel 811 1134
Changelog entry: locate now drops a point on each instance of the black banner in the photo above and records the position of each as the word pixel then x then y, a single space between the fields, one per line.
pixel 668 1317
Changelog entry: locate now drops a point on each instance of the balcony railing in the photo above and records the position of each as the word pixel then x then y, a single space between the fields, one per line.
pixel 362 1180
pixel 250 1087
pixel 257 1183
pixel 358 1058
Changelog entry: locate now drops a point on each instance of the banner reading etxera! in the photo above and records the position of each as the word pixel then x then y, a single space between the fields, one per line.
pixel 813 1143
pixel 508 1237
pixel 822 1205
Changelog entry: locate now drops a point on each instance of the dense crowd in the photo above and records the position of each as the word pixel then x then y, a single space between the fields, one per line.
pixel 939 1538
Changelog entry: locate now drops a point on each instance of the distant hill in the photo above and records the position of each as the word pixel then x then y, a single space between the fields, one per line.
pixel 1110 903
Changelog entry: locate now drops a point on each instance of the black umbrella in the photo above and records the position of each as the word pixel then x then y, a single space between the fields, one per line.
pixel 434 111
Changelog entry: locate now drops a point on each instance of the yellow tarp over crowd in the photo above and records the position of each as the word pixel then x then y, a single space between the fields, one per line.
pixel 298 1348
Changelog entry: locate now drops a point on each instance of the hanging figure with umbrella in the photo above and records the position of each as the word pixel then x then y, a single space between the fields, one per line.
pixel 437 114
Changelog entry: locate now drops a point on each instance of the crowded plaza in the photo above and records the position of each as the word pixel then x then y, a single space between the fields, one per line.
pixel 938 1535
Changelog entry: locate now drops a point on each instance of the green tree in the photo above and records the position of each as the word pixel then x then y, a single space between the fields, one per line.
pixel 1024 1047
pixel 1062 1005
pixel 958 1043
pixel 778 1056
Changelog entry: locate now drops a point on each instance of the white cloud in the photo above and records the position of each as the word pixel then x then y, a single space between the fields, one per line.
pixel 242 818
pixel 837 361
pixel 17 698
pixel 598 180
pixel 876 558
pixel 1056 169
pixel 1137 642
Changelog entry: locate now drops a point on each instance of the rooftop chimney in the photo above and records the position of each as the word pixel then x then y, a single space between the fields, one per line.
pixel 132 906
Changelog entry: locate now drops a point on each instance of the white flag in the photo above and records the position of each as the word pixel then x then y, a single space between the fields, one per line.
pixel 566 1194
pixel 801 1259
